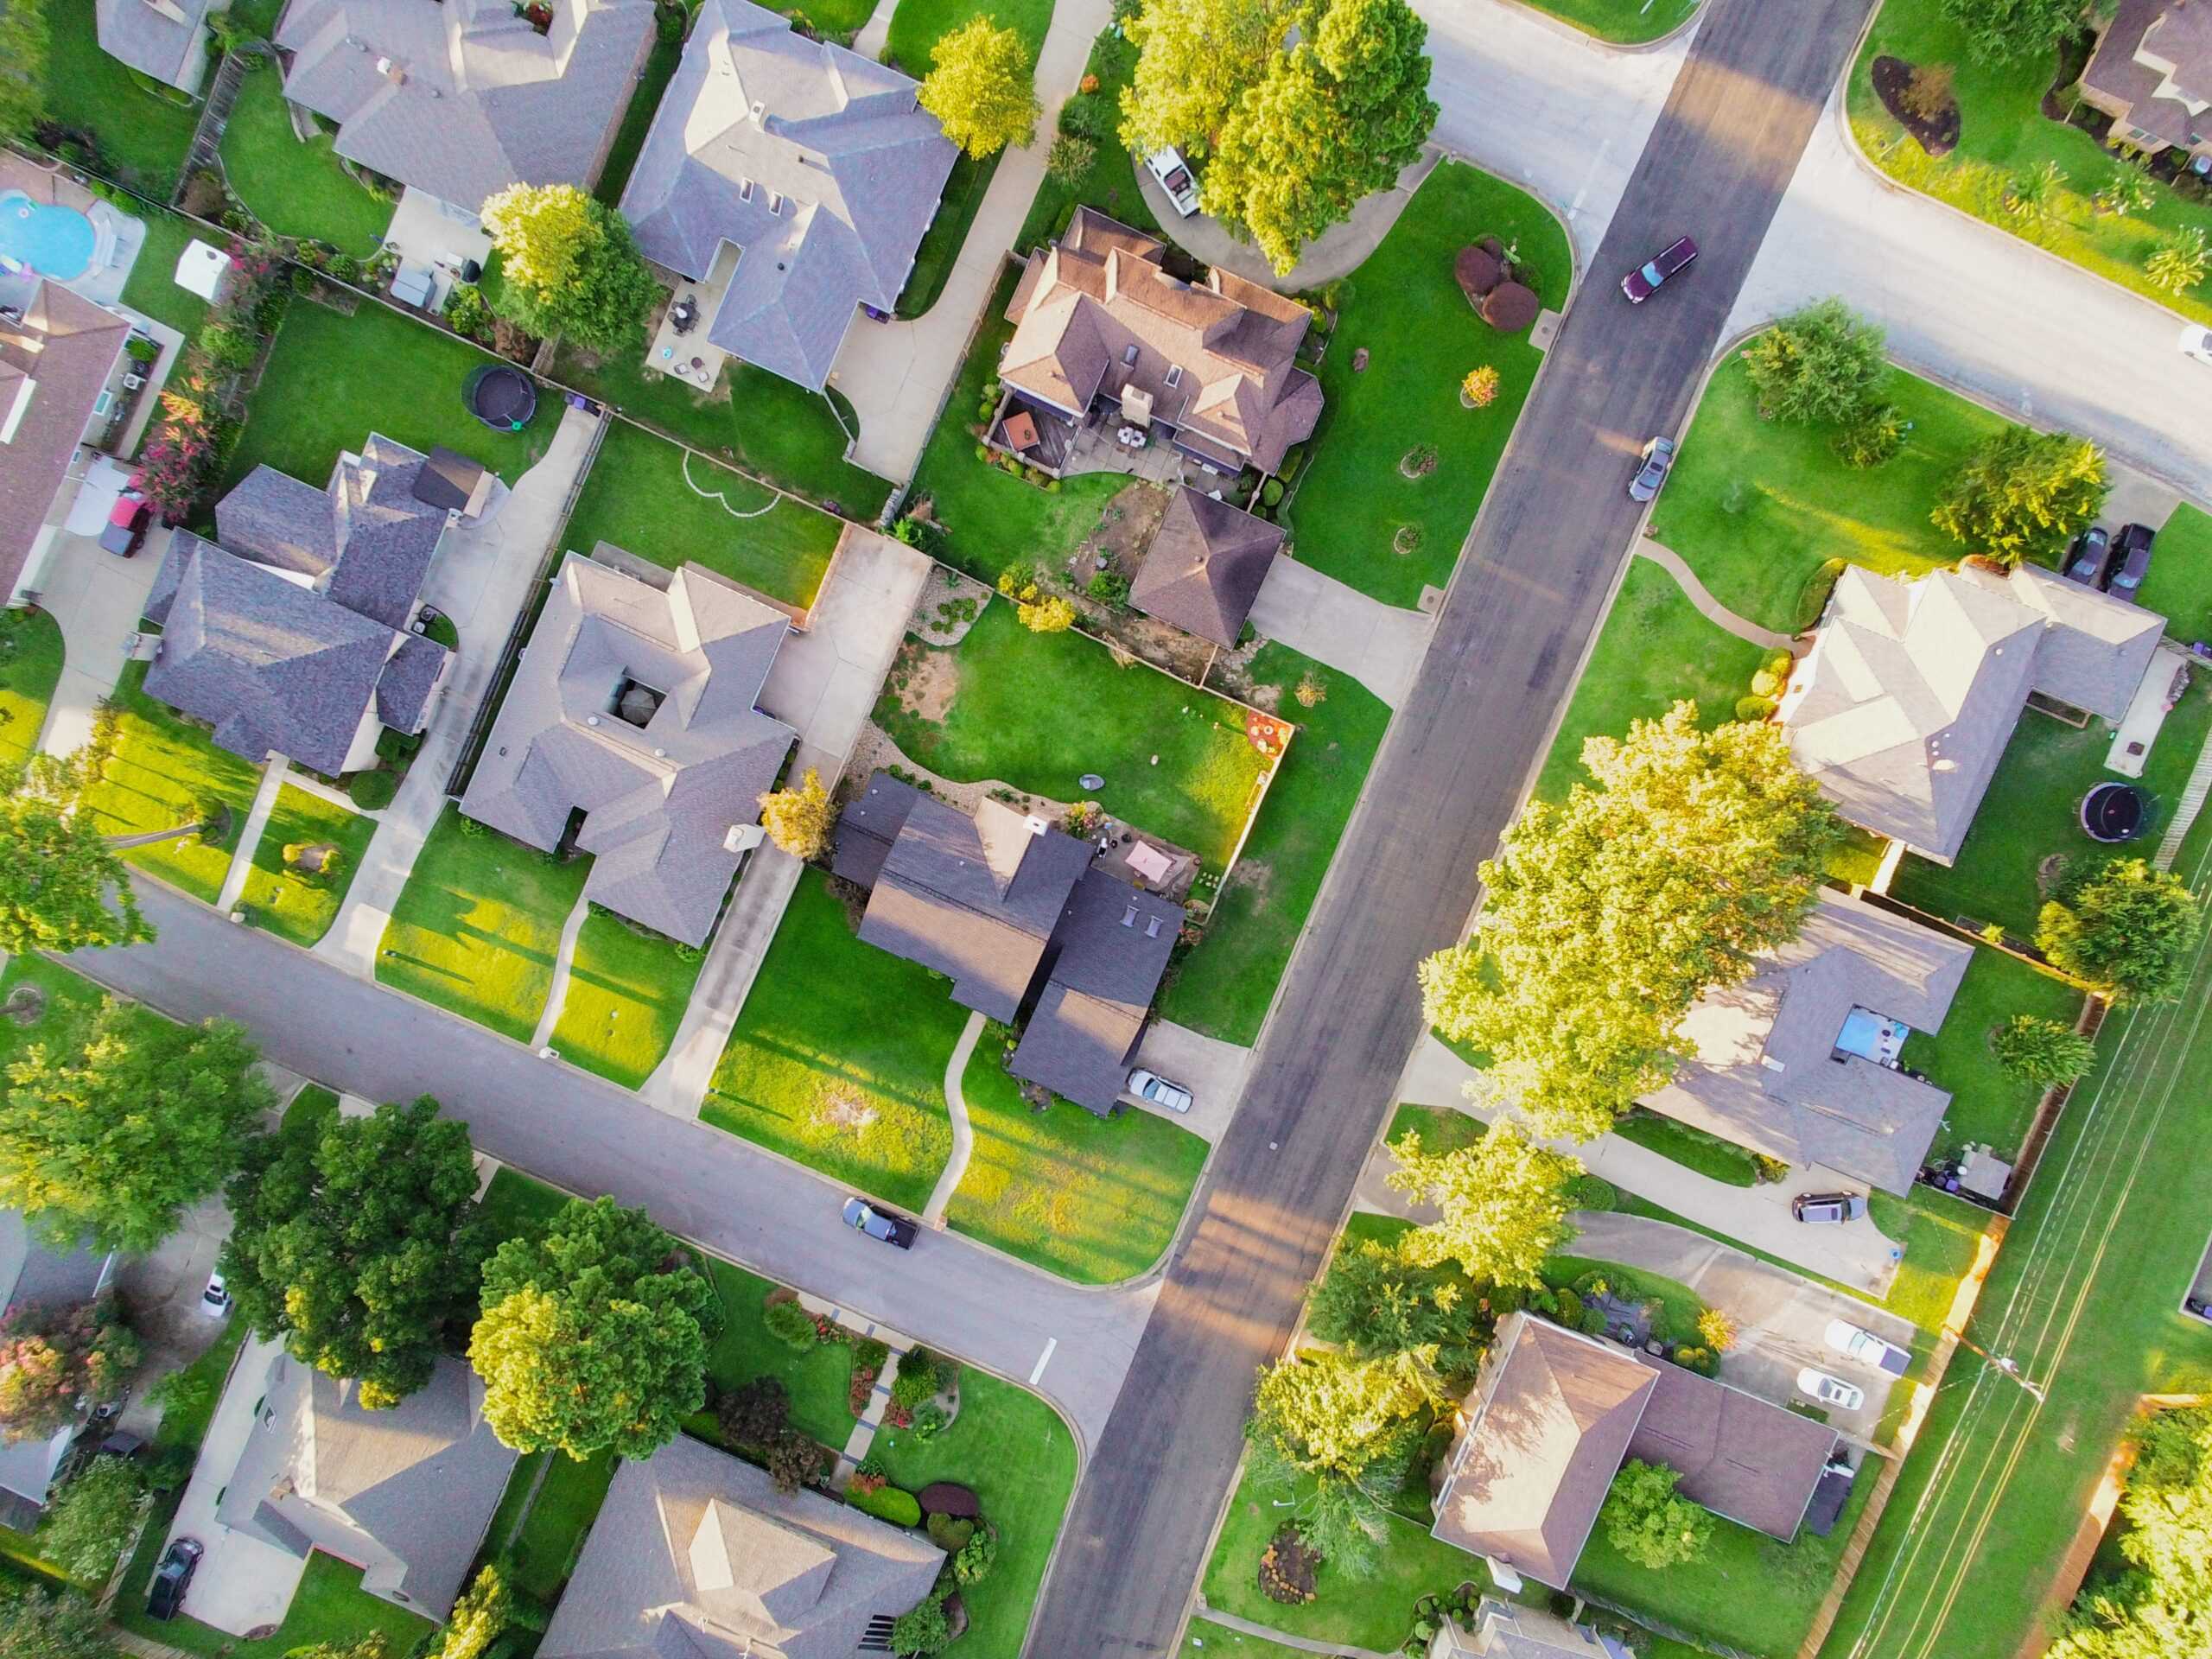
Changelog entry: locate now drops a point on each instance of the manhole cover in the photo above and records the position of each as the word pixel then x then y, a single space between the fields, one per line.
pixel 1092 780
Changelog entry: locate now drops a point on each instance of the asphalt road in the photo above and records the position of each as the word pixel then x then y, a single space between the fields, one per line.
pixel 1530 589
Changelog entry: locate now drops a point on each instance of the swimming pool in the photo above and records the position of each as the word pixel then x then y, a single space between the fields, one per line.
pixel 54 241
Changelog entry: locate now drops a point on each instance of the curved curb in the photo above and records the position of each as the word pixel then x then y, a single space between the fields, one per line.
pixel 963 1137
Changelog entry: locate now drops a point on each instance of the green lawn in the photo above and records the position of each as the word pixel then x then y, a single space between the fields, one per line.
pixel 1440 1128
pixel 1403 307
pixel 1679 1304
pixel 637 118
pixel 627 991
pixel 834 19
pixel 1094 1199
pixel 2031 812
pixel 552 1533
pixel 298 907
pixel 514 1205
pixel 2003 134
pixel 773 429
pixel 1625 22
pixel 1941 1235
pixel 477 925
pixel 1989 1106
pixel 816 1071
pixel 1037 711
pixel 295 189
pixel 1754 506
pixel 643 494
pixel 1223 987
pixel 964 190
pixel 1203 1639
pixel 1709 1154
pixel 166 773
pixel 1653 650
pixel 816 1380
pixel 1109 184
pixel 1012 1449
pixel 71 998
pixel 142 129
pixel 329 1606
pixel 30 667
pixel 2179 587
pixel 309 1112
pixel 333 379
pixel 152 286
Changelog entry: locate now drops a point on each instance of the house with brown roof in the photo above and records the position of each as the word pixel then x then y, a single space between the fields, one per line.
pixel 1555 1414
pixel 1103 331
pixel 2152 72
pixel 1204 567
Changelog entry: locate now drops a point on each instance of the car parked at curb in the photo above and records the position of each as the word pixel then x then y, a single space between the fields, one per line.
pixel 1855 1342
pixel 128 521
pixel 1151 1088
pixel 1645 280
pixel 165 1595
pixel 1828 1208
pixel 2087 558
pixel 2197 342
pixel 1174 176
pixel 1658 459
pixel 1831 1390
pixel 882 1225
pixel 2131 562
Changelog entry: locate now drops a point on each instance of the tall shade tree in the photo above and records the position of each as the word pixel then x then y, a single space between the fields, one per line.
pixel 40 1623
pixel 2127 930
pixel 24 38
pixel 1504 1204
pixel 1195 58
pixel 2011 31
pixel 1649 1523
pixel 91 1519
pixel 800 820
pixel 55 1360
pixel 2161 1604
pixel 1375 1303
pixel 1350 1427
pixel 57 870
pixel 356 1244
pixel 983 89
pixel 1818 364
pixel 110 1133
pixel 1609 913
pixel 594 1335
pixel 2022 494
pixel 568 266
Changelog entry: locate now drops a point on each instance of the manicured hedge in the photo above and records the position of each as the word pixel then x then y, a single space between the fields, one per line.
pixel 892 1503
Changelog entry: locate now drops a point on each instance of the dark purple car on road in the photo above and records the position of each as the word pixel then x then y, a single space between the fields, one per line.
pixel 1644 282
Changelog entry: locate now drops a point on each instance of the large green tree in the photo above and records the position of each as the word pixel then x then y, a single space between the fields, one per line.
pixel 594 1335
pixel 1375 1303
pixel 357 1243
pixel 982 89
pixel 111 1131
pixel 91 1519
pixel 1820 364
pixel 2160 1604
pixel 2009 31
pixel 57 870
pixel 568 266
pixel 2022 494
pixel 1608 914
pixel 56 1361
pixel 40 1623
pixel 1648 1522
pixel 1347 1428
pixel 2126 928
pixel 1194 59
pixel 1503 1204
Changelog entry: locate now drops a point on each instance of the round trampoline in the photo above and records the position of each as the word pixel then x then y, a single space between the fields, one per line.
pixel 501 397
pixel 2112 812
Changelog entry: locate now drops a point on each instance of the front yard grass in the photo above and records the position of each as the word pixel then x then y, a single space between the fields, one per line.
pixel 1012 1449
pixel 1989 1106
pixel 329 1606
pixel 627 991
pixel 2179 587
pixel 1038 710
pixel 1624 22
pixel 30 668
pixel 661 61
pixel 299 907
pixel 2003 133
pixel 1709 1154
pixel 477 925
pixel 1222 988
pixel 164 772
pixel 1094 1199
pixel 814 1380
pixel 644 495
pixel 141 128
pixel 295 189
pixel 2032 812
pixel 1754 507
pixel 333 379
pixel 838 1058
pixel 918 25
pixel 70 999
pixel 1941 1235
pixel 1654 649
pixel 152 286
pixel 1405 309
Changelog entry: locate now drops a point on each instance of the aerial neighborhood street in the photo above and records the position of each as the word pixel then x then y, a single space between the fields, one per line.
pixel 1105 827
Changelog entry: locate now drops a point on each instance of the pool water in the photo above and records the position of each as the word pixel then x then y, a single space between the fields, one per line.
pixel 1870 1036
pixel 57 242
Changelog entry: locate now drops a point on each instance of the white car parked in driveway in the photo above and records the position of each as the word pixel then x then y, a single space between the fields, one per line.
pixel 2197 342
pixel 1174 176
pixel 1152 1087
pixel 1831 1390
pixel 1854 1342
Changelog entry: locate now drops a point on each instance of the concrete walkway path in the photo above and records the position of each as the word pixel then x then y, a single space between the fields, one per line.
pixel 869 41
pixel 1707 607
pixel 1337 252
pixel 482 578
pixel 257 820
pixel 896 373
pixel 564 960
pixel 1380 645
pixel 678 1084
pixel 963 1137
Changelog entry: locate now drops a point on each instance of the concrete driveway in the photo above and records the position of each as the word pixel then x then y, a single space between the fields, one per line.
pixel 1212 1069
pixel 97 598
pixel 1380 645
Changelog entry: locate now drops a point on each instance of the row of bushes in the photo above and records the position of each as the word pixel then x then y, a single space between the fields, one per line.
pixel 188 442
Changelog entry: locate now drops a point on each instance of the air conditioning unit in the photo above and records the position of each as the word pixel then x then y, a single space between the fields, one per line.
pixel 132 382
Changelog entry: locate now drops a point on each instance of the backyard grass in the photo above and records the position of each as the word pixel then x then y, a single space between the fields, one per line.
pixel 627 991
pixel 1012 1449
pixel 30 667
pixel 1654 649
pixel 834 19
pixel 1110 183
pixel 152 286
pixel 637 118
pixel 1405 309
pixel 1624 22
pixel 1223 987
pixel 1094 1199
pixel 329 1606
pixel 643 494
pixel 552 1533
pixel 1859 859
pixel 838 1057
pixel 142 128
pixel 816 1380
pixel 165 773
pixel 774 429
pixel 2179 587
pixel 477 925
pixel 299 907
pixel 1038 710
pixel 2003 134
pixel 1709 1154
pixel 333 379
pixel 2032 812
pixel 295 189
pixel 1989 1106
pixel 1754 507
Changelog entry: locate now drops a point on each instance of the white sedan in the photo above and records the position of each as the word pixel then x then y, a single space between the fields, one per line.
pixel 1854 1343
pixel 2197 342
pixel 1174 176
pixel 1151 1087
pixel 1831 1390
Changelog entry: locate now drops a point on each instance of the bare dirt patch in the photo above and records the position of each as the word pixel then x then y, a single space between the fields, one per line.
pixel 841 1108
pixel 927 681
pixel 1939 137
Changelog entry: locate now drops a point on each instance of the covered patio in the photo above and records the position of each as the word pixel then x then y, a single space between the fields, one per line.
pixel 1106 440
pixel 679 344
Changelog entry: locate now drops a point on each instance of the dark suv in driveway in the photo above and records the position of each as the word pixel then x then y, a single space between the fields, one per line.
pixel 880 1225
pixel 2087 558
pixel 2131 562
pixel 165 1595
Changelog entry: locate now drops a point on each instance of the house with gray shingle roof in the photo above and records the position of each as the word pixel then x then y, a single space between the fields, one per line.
pixel 404 1492
pixel 1507 1630
pixel 2152 72
pixel 60 359
pixel 1902 708
pixel 696 1555
pixel 634 704
pixel 463 99
pixel 815 167
pixel 292 631
pixel 1204 567
pixel 165 39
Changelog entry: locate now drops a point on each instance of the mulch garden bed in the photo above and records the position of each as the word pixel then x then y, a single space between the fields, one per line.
pixel 1289 1567
pixel 1938 138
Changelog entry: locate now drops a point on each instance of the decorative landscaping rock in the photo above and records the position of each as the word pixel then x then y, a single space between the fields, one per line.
pixel 1289 1567
pixel 1939 136
pixel 949 1497
pixel 1478 270
pixel 1510 307
pixel 1359 360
